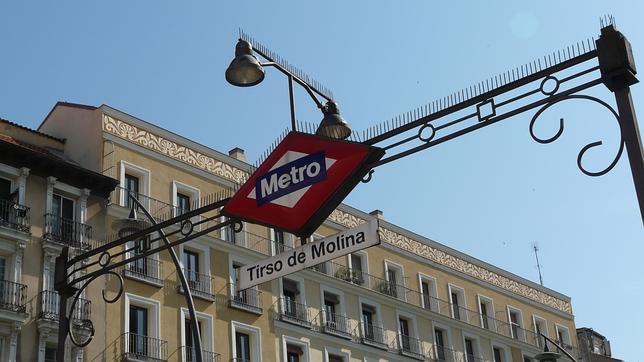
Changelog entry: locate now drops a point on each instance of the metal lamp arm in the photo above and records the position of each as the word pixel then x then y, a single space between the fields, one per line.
pixel 563 350
pixel 310 90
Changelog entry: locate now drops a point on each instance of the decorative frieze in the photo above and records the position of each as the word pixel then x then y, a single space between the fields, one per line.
pixel 172 149
pixel 456 263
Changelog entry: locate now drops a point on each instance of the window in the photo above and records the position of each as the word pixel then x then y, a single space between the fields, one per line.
pixel 563 336
pixel 334 321
pixel 246 343
pixel 358 267
pixel 62 223
pixel 516 323
pixel 439 342
pixel 403 326
pixel 134 179
pixel 204 323
pixel 189 339
pixel 50 353
pixel 457 301
pixel 142 266
pixel 242 342
pixel 335 358
pixel 279 241
pixel 138 330
pixel 131 186
pixel 394 277
pixel 498 354
pixel 428 299
pixel 471 349
pixel 486 312
pixel 540 327
pixel 335 355
pixel 295 350
pixel 372 332
pixel 191 267
pixel 183 203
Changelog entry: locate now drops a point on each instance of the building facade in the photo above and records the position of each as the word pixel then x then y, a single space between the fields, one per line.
pixel 47 201
pixel 409 298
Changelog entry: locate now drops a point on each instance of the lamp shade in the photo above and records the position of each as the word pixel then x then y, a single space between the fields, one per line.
pixel 333 125
pixel 129 225
pixel 245 70
pixel 547 356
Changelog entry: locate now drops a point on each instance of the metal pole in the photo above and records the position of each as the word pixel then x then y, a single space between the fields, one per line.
pixel 292 101
pixel 632 140
pixel 63 295
pixel 194 324
pixel 558 347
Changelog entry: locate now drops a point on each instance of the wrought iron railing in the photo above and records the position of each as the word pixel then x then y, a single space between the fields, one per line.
pixel 14 215
pixel 295 312
pixel 336 324
pixel 202 285
pixel 68 232
pixel 444 354
pixel 248 299
pixel 48 302
pixel 189 354
pixel 147 268
pixel 13 296
pixel 374 335
pixel 410 346
pixel 139 347
pixel 473 358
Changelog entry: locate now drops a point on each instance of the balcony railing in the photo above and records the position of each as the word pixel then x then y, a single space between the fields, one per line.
pixel 143 348
pixel 410 346
pixel 49 309
pixel 444 354
pixel 147 269
pixel 336 324
pixel 248 299
pixel 159 210
pixel 14 216
pixel 201 285
pixel 473 358
pixel 374 336
pixel 294 312
pixel 12 296
pixel 68 232
pixel 189 354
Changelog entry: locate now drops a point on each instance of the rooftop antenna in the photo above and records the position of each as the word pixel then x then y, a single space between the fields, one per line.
pixel 535 247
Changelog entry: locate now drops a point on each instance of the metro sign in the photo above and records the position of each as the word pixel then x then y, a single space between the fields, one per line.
pixel 301 182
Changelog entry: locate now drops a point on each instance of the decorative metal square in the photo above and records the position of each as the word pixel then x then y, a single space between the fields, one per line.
pixel 486 110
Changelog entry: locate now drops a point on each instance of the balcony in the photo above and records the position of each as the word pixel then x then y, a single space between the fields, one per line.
pixel 146 269
pixel 12 296
pixel 444 354
pixel 374 336
pixel 410 346
pixel 68 232
pixel 249 299
pixel 336 324
pixel 293 312
pixel 189 354
pixel 143 348
pixel 14 216
pixel 473 358
pixel 48 303
pixel 201 285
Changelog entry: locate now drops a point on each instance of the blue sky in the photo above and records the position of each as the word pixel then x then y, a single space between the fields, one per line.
pixel 491 194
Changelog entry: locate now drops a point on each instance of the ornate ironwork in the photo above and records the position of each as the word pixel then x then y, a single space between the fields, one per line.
pixel 73 275
pixel 588 146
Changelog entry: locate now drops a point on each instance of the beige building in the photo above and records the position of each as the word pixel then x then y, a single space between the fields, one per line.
pixel 409 298
pixel 47 201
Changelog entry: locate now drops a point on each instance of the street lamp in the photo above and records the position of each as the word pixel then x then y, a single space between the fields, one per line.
pixel 246 71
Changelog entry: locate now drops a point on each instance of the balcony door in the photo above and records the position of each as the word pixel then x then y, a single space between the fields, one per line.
pixel 62 210
pixel 138 343
pixel 404 334
pixel 440 344
pixel 191 267
pixel 191 351
pixel 131 185
pixel 242 342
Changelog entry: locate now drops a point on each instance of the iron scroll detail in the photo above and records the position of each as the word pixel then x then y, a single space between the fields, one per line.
pixel 88 323
pixel 582 152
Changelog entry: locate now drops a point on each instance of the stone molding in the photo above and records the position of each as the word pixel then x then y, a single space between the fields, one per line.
pixel 172 149
pixel 456 263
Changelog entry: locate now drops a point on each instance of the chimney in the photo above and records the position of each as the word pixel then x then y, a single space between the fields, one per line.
pixel 237 153
pixel 378 214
